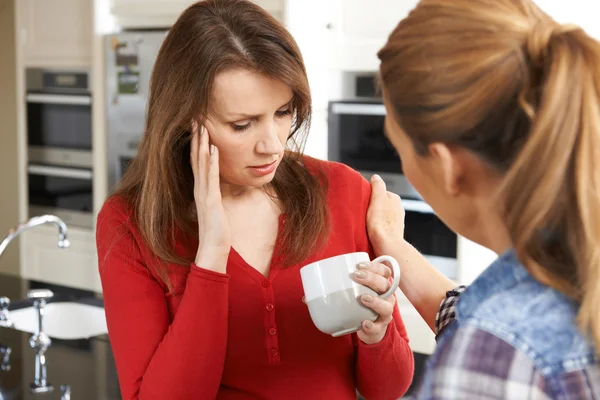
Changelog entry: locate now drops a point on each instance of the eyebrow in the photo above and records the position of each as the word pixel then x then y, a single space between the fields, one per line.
pixel 237 116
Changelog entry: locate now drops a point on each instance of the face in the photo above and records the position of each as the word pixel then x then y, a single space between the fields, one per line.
pixel 448 179
pixel 250 121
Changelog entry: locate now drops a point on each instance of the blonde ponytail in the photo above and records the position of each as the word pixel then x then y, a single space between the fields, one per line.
pixel 552 191
pixel 523 93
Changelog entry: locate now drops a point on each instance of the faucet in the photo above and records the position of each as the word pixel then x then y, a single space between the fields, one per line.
pixel 40 341
pixel 5 358
pixel 63 243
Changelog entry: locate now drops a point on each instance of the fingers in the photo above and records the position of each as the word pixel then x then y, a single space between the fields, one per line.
pixel 378 189
pixel 214 188
pixel 375 330
pixel 376 282
pixel 376 268
pixel 194 148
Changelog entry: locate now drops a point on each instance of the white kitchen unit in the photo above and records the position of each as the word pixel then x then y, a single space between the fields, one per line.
pixel 75 267
pixel 163 13
pixel 55 33
pixel 360 28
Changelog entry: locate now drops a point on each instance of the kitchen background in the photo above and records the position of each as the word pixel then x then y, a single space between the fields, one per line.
pixel 73 85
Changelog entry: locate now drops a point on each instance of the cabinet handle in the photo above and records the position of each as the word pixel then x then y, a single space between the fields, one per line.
pixel 59 172
pixel 59 99
pixel 358 109
pixel 417 206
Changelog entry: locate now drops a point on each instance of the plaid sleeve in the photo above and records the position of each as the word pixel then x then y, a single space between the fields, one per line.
pixel 447 310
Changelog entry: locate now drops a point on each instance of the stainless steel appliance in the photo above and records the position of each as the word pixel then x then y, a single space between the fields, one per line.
pixel 59 139
pixel 59 117
pixel 130 58
pixel 356 138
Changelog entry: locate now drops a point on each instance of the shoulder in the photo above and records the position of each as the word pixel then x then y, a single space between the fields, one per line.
pixel 340 176
pixel 472 363
pixel 539 321
pixel 114 221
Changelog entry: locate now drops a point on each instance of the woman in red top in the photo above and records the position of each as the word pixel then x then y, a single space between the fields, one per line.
pixel 200 247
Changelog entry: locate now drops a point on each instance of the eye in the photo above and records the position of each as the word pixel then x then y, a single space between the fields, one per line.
pixel 240 128
pixel 283 113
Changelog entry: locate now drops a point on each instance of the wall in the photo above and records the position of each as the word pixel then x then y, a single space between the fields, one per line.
pixel 9 205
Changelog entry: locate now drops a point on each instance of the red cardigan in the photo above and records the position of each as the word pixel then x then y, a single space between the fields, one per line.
pixel 240 335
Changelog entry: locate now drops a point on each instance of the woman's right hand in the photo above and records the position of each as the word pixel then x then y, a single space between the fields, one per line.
pixel 213 227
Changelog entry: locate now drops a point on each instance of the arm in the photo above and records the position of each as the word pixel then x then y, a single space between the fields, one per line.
pixel 424 286
pixel 385 370
pixel 157 359
pixel 385 367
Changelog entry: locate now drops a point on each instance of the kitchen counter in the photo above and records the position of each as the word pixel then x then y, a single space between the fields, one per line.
pixel 87 366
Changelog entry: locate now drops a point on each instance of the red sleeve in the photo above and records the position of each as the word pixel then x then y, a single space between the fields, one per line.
pixel 157 359
pixel 384 370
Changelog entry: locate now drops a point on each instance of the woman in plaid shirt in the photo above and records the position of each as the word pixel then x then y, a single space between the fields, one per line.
pixel 495 111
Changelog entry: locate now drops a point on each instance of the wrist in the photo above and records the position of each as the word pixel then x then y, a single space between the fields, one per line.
pixel 213 259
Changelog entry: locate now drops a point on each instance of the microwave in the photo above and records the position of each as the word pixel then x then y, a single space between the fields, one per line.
pixel 59 117
pixel 356 138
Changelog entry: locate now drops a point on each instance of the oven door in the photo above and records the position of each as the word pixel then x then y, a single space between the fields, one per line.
pixel 357 139
pixel 59 129
pixel 428 234
pixel 64 192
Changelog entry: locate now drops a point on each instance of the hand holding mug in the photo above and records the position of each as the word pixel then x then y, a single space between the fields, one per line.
pixel 377 277
pixel 339 305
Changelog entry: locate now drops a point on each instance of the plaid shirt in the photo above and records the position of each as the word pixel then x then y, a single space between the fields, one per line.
pixel 471 363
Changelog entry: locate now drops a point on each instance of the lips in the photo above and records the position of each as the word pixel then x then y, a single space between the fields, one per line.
pixel 264 165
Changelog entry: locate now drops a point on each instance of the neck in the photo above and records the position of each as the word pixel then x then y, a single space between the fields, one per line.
pixel 490 229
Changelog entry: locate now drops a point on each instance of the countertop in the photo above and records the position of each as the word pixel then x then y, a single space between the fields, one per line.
pixel 86 365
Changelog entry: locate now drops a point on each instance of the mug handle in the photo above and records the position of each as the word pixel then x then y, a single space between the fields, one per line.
pixel 395 273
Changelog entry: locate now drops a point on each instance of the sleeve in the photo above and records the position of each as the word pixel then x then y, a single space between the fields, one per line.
pixel 157 359
pixel 474 364
pixel 447 311
pixel 384 370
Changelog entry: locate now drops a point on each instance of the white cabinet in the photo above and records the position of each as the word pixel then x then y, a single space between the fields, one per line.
pixel 56 33
pixel 360 28
pixel 77 266
pixel 163 13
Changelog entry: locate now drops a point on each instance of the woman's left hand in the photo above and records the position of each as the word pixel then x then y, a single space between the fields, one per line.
pixel 377 277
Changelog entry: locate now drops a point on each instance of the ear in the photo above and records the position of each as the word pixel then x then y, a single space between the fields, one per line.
pixel 450 167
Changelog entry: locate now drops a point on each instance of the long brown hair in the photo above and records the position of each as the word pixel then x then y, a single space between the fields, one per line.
pixel 208 38
pixel 504 80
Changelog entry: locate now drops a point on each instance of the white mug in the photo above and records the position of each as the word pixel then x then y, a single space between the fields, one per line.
pixel 333 297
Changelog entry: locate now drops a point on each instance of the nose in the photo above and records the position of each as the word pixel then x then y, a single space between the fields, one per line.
pixel 268 142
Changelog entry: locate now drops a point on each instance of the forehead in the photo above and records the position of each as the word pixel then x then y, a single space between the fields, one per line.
pixel 248 92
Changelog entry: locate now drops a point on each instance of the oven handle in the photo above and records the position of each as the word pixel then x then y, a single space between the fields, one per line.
pixel 59 172
pixel 358 109
pixel 59 99
pixel 417 206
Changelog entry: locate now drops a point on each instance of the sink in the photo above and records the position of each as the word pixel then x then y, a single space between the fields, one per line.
pixel 63 320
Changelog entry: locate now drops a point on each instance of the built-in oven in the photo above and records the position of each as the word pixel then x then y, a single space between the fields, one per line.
pixel 59 117
pixel 64 192
pixel 356 138
pixel 59 140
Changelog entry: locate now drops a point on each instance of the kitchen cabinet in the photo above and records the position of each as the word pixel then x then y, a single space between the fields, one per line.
pixel 360 28
pixel 56 33
pixel 163 13
pixel 75 267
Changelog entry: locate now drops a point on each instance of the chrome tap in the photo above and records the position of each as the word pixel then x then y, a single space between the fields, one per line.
pixel 5 321
pixel 63 240
pixel 40 341
pixel 5 358
pixel 63 243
